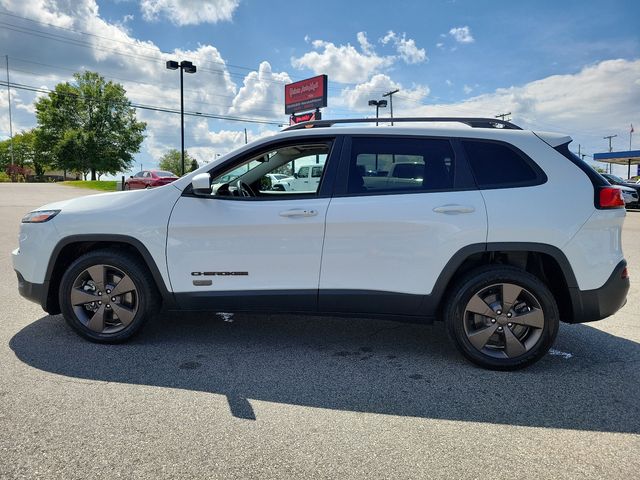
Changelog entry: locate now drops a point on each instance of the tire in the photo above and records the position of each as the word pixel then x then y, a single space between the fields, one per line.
pixel 90 285
pixel 508 340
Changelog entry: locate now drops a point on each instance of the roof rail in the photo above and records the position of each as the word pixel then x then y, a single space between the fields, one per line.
pixel 474 122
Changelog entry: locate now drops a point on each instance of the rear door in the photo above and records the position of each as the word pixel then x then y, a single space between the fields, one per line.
pixel 388 239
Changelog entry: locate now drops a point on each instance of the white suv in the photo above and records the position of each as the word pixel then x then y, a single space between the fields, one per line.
pixel 499 232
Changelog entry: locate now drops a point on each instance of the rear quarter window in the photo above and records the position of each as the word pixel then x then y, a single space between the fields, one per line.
pixel 498 165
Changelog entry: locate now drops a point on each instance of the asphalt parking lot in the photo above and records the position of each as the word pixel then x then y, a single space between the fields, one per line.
pixel 294 397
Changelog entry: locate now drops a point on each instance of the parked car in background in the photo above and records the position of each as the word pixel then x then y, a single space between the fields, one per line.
pixel 306 179
pixel 625 187
pixel 149 179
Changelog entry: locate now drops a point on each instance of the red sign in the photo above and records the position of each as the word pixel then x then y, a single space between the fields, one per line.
pixel 305 95
pixel 303 117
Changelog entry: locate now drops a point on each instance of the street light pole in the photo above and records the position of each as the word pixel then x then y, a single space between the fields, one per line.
pixel 181 124
pixel 184 66
pixel 377 104
pixel 10 122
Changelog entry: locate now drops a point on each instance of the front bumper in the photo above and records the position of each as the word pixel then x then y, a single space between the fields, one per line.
pixel 36 292
pixel 599 303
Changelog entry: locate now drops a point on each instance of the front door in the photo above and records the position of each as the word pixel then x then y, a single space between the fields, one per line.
pixel 248 245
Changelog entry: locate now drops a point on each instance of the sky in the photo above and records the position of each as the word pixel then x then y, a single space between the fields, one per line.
pixel 565 66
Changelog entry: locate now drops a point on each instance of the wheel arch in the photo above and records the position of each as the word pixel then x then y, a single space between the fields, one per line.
pixel 546 262
pixel 70 248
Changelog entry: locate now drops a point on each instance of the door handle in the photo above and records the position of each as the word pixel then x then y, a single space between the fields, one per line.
pixel 299 212
pixel 452 209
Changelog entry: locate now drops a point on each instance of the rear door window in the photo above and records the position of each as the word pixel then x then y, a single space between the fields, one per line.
pixel 390 165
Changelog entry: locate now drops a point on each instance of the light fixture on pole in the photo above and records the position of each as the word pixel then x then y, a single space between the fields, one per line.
pixel 378 104
pixel 188 67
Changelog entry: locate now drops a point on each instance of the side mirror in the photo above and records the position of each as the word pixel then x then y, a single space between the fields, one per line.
pixel 130 176
pixel 201 184
pixel 295 175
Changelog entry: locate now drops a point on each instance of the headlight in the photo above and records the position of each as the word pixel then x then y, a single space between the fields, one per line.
pixel 39 216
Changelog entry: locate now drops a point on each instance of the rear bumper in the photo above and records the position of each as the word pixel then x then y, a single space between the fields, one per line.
pixel 599 303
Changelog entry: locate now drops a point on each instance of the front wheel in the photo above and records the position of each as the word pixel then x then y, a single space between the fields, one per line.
pixel 106 296
pixel 501 317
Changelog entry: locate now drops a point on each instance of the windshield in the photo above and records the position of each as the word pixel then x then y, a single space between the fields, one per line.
pixel 162 173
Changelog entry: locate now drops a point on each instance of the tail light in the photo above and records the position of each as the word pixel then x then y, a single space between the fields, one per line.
pixel 625 273
pixel 610 197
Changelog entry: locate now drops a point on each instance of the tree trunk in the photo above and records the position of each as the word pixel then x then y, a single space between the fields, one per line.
pixel 93 174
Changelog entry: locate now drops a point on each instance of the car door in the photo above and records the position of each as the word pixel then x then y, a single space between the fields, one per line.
pixel 259 252
pixel 388 239
pixel 134 181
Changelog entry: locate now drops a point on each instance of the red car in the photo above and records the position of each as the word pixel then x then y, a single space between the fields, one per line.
pixel 149 179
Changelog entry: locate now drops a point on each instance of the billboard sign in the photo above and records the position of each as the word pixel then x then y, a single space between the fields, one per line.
pixel 305 95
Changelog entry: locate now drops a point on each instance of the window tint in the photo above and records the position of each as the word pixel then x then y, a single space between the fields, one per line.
pixel 271 175
pixel 497 165
pixel 400 165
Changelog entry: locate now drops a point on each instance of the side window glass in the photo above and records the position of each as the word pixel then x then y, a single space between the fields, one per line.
pixel 303 172
pixel 497 165
pixel 386 164
pixel 277 173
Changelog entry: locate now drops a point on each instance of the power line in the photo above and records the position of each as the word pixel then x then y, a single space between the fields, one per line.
pixel 64 39
pixel 32 88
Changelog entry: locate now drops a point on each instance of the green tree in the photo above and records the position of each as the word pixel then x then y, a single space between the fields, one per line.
pixel 88 126
pixel 26 152
pixel 171 161
pixel 194 165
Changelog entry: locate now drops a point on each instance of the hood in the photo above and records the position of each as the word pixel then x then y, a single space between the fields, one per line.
pixel 107 201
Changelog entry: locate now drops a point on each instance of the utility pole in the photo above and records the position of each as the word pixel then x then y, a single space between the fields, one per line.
pixel 245 137
pixel 390 95
pixel 10 122
pixel 609 137
pixel 503 115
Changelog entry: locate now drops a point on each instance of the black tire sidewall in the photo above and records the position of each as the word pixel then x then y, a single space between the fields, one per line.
pixel 130 266
pixel 482 278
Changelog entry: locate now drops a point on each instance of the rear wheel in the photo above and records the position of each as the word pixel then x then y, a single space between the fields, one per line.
pixel 106 296
pixel 501 317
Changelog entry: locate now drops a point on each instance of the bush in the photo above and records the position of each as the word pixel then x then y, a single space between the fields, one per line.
pixel 4 177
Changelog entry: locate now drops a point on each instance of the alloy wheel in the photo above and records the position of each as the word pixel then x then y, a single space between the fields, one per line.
pixel 104 298
pixel 503 320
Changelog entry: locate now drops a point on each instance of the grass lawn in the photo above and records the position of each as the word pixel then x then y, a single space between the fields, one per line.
pixel 106 185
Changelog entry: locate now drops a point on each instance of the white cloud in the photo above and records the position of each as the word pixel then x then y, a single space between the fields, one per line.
pixel 357 98
pixel 262 93
pixel 467 89
pixel 364 43
pixel 462 34
pixel 343 63
pixel 439 44
pixel 139 66
pixel 406 48
pixel 601 97
pixel 189 12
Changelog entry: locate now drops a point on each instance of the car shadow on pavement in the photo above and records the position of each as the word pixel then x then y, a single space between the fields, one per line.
pixel 591 382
